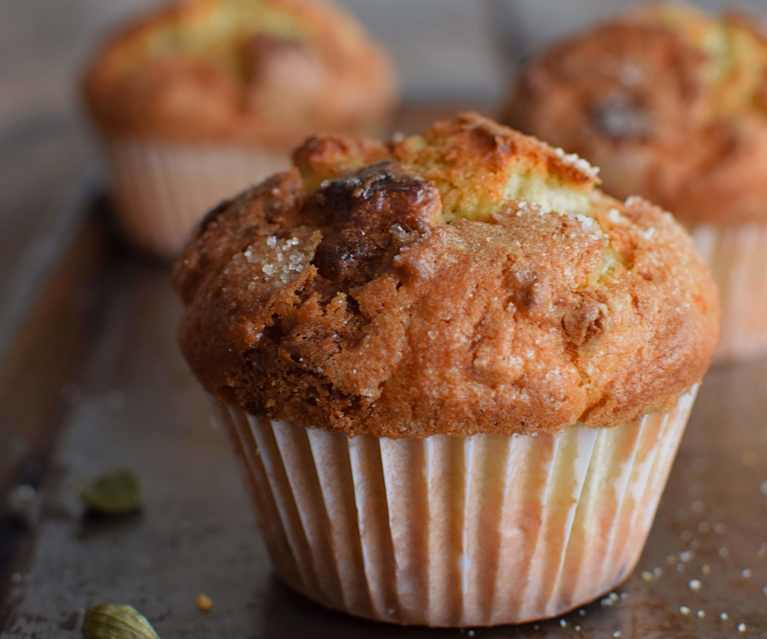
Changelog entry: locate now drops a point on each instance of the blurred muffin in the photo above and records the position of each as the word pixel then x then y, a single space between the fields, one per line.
pixel 199 99
pixel 454 371
pixel 672 104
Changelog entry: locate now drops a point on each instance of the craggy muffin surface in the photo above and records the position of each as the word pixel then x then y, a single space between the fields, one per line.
pixel 242 71
pixel 670 102
pixel 468 280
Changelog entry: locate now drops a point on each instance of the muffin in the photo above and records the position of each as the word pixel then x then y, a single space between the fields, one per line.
pixel 454 371
pixel 672 104
pixel 202 98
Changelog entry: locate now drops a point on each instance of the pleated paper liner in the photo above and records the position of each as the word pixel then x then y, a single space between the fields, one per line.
pixel 456 531
pixel 162 191
pixel 737 256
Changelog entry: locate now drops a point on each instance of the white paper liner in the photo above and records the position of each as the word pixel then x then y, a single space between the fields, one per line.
pixel 162 191
pixel 737 256
pixel 456 531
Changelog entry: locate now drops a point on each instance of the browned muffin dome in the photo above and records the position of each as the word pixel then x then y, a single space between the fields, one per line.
pixel 468 280
pixel 264 72
pixel 670 102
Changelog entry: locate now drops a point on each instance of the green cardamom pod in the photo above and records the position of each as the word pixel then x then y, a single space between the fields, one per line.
pixel 113 621
pixel 114 493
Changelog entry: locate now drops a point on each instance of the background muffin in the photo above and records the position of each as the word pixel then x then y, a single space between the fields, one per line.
pixel 456 373
pixel 673 105
pixel 199 99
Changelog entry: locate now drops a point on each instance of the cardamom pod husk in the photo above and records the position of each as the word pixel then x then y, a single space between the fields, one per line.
pixel 114 493
pixel 114 621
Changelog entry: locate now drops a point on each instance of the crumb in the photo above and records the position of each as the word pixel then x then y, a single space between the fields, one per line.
pixel 203 603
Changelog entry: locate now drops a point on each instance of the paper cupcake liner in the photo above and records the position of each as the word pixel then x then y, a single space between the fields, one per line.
pixel 162 191
pixel 737 256
pixel 456 531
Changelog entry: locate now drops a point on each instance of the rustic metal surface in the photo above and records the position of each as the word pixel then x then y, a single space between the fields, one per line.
pixel 133 404
pixel 92 381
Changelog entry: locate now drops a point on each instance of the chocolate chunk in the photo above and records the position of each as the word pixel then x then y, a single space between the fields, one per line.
pixel 367 217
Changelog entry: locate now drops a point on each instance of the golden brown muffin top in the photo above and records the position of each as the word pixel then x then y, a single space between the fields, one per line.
pixel 470 279
pixel 266 72
pixel 670 102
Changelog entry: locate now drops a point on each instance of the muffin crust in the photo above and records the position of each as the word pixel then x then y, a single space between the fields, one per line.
pixel 246 72
pixel 669 101
pixel 468 280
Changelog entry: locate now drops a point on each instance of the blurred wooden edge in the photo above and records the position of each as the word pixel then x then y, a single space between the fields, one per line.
pixel 41 358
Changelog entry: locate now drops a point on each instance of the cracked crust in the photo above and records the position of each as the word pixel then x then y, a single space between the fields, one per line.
pixel 670 102
pixel 264 72
pixel 468 280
